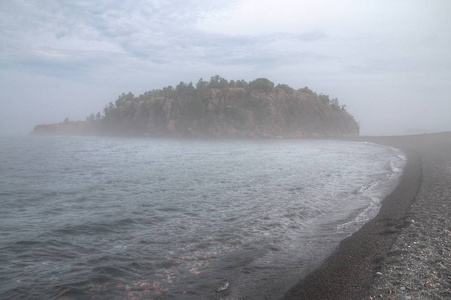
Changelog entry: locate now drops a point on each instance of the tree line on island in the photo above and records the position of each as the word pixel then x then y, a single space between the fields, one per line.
pixel 218 108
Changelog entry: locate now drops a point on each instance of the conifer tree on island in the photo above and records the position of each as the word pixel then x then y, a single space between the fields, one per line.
pixel 217 108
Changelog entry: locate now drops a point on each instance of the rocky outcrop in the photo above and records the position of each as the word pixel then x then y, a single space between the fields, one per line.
pixel 219 112
pixel 69 128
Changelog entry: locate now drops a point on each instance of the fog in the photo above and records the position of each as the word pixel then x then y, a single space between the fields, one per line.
pixel 387 61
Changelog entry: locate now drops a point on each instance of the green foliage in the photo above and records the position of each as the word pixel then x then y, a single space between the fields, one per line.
pixel 201 88
pixel 334 104
pixel 324 99
pixel 108 108
pixel 261 85
pixel 217 82
pixel 190 89
pixel 66 120
pixel 151 112
pixel 124 98
pixel 241 83
pixel 201 85
pixel 151 94
pixel 307 91
pixel 181 87
pixel 185 89
pixel 169 92
pixel 289 90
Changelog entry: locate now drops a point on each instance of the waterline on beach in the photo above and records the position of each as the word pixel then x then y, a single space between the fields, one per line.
pixel 109 215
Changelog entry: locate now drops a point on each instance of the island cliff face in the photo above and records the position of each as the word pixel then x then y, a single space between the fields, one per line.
pixel 255 109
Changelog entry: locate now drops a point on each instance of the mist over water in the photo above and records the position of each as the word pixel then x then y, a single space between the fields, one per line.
pixel 88 217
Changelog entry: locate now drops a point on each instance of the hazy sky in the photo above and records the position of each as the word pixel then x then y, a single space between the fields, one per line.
pixel 388 61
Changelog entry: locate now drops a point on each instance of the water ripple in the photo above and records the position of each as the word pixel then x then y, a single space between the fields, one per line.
pixel 111 218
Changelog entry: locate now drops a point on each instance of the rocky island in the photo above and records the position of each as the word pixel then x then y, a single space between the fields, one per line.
pixel 218 108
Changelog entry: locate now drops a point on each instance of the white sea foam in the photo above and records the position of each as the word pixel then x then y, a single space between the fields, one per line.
pixel 369 212
pixel 175 210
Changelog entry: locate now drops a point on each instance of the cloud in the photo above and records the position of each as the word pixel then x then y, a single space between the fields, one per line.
pixel 87 33
pixel 91 34
pixel 347 49
pixel 311 36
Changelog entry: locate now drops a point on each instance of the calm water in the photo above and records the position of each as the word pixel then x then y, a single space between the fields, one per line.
pixel 116 218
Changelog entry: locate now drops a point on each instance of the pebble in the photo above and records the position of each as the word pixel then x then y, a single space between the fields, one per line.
pixel 223 287
pixel 421 256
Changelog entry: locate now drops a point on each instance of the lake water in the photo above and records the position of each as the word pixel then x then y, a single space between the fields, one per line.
pixel 131 218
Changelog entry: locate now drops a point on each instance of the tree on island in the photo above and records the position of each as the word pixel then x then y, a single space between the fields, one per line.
pixel 217 82
pixel 218 107
pixel 307 91
pixel 289 90
pixel 261 85
pixel 91 117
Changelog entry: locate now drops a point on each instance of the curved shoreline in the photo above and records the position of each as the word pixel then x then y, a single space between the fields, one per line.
pixel 359 267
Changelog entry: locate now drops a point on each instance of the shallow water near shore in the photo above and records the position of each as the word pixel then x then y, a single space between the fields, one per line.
pixel 115 218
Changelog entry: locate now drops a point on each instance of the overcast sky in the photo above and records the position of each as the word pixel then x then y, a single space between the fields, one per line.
pixel 388 61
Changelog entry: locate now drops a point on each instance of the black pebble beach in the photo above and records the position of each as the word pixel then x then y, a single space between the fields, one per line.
pixel 405 251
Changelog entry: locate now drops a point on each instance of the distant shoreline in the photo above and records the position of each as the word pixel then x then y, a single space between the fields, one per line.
pixel 358 269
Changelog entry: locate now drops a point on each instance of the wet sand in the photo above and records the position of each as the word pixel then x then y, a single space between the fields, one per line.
pixel 405 251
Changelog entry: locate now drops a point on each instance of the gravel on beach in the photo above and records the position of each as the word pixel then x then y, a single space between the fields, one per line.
pixel 418 266
pixel 405 251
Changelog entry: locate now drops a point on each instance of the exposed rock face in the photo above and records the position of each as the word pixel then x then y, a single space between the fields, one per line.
pixel 226 112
